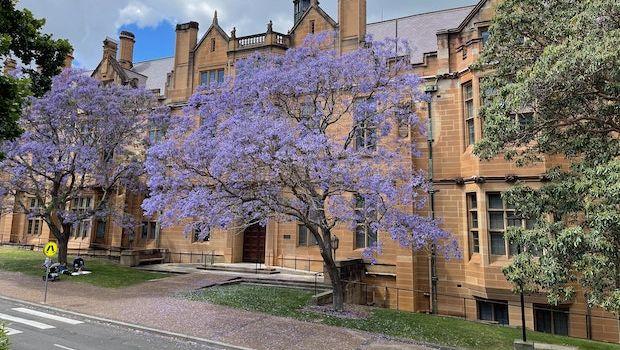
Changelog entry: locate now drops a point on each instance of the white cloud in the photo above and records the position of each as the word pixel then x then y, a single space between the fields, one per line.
pixel 138 13
pixel 87 22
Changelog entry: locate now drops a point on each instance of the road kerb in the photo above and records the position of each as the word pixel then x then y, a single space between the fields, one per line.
pixel 131 325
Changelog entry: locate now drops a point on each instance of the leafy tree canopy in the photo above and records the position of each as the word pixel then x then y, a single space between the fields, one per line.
pixel 553 92
pixel 43 57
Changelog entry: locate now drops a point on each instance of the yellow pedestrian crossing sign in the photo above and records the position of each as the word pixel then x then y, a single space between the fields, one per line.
pixel 51 249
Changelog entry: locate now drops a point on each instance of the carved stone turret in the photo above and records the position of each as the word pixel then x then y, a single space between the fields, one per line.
pixel 300 7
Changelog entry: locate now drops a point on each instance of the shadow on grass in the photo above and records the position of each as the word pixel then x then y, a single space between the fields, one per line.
pixel 447 331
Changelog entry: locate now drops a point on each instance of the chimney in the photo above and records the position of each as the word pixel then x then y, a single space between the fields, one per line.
pixel 351 24
pixel 9 65
pixel 186 40
pixel 109 48
pixel 127 39
pixel 69 60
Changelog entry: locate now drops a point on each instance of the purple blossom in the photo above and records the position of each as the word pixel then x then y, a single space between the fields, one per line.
pixel 300 136
pixel 279 140
pixel 82 136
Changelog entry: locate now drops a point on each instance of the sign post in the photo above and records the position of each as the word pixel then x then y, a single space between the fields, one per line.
pixel 50 249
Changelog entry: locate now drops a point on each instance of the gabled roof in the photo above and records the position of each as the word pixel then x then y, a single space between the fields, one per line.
pixel 150 74
pixel 156 71
pixel 467 19
pixel 420 30
pixel 213 26
pixel 321 12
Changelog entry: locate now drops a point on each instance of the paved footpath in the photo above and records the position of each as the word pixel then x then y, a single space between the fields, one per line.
pixel 153 304
pixel 35 328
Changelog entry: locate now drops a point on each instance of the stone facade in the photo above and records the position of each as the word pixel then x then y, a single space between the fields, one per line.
pixel 446 43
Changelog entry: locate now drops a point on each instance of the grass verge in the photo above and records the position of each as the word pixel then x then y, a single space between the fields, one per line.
pixel 105 273
pixel 439 330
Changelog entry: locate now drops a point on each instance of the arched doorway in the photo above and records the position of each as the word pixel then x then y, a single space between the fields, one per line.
pixel 254 244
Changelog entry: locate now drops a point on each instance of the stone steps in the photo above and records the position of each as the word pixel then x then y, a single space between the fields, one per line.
pixel 240 269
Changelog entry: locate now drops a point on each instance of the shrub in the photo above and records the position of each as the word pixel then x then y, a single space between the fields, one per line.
pixel 4 338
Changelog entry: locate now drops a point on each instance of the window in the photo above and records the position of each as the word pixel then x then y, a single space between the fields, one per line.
pixel 468 112
pixel 212 44
pixel 35 224
pixel 101 228
pixel 402 116
pixel 82 229
pixel 82 205
pixel 150 230
pixel 199 236
pixel 492 310
pixel 484 35
pixel 472 222
pixel 366 136
pixel 365 234
pixel 212 77
pixel 523 120
pixel 305 237
pixel 365 128
pixel 312 26
pixel 156 135
pixel 551 319
pixel 502 216
pixel 145 230
pixel 310 115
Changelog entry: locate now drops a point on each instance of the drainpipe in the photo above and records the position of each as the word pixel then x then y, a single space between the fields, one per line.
pixel 433 257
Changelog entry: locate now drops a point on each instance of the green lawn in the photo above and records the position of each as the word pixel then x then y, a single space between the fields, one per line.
pixel 446 331
pixel 105 273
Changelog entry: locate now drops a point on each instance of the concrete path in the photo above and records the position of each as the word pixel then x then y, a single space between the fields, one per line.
pixel 153 304
pixel 284 273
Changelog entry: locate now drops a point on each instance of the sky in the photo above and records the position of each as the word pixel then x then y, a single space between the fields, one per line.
pixel 86 23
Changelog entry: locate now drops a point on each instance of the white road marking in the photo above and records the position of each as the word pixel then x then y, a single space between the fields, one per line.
pixel 30 323
pixel 11 331
pixel 63 347
pixel 44 315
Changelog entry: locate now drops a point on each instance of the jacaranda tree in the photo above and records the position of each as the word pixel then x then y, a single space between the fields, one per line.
pixel 80 139
pixel 308 136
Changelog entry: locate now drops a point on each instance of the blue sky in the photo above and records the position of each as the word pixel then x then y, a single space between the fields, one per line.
pixel 86 23
pixel 155 42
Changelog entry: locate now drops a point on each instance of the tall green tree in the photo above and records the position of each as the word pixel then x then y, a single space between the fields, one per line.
pixel 21 37
pixel 554 90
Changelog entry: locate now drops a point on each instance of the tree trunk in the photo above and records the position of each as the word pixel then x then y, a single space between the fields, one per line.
pixel 325 242
pixel 334 273
pixel 62 239
pixel 63 246
pixel 338 291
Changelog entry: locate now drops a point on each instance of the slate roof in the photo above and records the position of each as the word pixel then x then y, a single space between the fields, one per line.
pixel 156 72
pixel 419 30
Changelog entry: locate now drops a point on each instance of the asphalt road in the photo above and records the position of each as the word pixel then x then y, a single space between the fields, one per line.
pixel 32 328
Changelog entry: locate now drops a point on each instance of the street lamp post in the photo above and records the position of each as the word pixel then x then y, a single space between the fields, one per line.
pixel 522 297
pixel 335 242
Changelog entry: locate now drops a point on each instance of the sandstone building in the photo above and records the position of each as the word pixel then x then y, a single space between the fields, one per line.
pixel 467 194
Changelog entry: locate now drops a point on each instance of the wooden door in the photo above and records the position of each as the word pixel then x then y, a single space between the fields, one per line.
pixel 254 244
